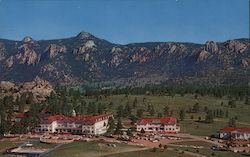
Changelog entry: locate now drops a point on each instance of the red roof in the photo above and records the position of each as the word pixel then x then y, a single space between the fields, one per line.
pixel 163 120
pixel 89 120
pixel 232 129
pixel 20 115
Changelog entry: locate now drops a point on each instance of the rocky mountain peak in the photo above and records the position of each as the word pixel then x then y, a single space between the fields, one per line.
pixel 83 35
pixel 211 46
pixel 27 39
pixel 86 58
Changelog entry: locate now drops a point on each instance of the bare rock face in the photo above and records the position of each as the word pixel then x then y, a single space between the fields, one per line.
pixel 9 62
pixel 2 48
pixel 203 56
pixel 212 47
pixel 89 46
pixel 27 39
pixel 138 58
pixel 27 55
pixel 7 86
pixel 40 89
pixel 117 56
pixel 83 35
pixel 116 59
pixel 245 62
pixel 54 49
pixel 54 71
pixel 116 50
pixel 170 48
pixel 236 46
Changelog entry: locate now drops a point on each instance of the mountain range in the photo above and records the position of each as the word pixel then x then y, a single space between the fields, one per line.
pixel 87 59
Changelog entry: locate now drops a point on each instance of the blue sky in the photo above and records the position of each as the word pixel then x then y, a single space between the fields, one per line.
pixel 126 21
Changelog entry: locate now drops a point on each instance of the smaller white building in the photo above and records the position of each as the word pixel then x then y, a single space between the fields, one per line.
pixel 163 125
pixel 94 125
pixel 234 133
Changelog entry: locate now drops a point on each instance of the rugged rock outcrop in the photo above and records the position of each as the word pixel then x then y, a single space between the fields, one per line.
pixel 203 56
pixel 2 56
pixel 89 46
pixel 236 46
pixel 86 58
pixel 212 47
pixel 9 62
pixel 40 89
pixel 54 49
pixel 27 55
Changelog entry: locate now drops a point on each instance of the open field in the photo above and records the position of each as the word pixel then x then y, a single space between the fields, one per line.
pixel 91 149
pixel 176 103
pixel 150 153
pixel 8 144
pixel 102 149
pixel 206 150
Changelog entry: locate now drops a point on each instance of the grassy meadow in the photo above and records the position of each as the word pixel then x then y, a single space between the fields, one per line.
pixel 90 149
pixel 190 124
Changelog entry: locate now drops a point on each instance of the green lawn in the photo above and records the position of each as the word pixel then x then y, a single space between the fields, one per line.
pixel 8 144
pixel 90 149
pixel 197 128
pixel 206 150
pixel 39 145
pixel 149 153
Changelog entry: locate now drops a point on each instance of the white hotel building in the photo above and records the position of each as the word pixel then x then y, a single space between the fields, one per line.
pixel 93 125
pixel 161 125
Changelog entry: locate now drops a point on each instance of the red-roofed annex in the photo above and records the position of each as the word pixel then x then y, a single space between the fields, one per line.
pixel 164 125
pixel 241 133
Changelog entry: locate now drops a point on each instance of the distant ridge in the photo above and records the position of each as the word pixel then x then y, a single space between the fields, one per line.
pixel 87 59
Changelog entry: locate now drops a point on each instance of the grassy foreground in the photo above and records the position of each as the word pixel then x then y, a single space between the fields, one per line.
pixel 90 149
pixel 206 150
pixel 149 153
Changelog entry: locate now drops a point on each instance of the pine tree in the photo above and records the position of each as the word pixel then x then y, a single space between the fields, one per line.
pixel 152 111
pixel 166 111
pixel 139 113
pixel 118 127
pixel 133 119
pixel 159 115
pixel 135 103
pixel 247 102
pixel 111 125
pixel 182 114
pixel 127 110
pixel 120 111
pixel 232 122
pixel 209 117
pixel 196 108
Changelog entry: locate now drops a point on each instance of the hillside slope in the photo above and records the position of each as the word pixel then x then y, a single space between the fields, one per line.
pixel 86 58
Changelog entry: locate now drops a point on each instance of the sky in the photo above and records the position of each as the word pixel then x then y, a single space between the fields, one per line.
pixel 126 21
